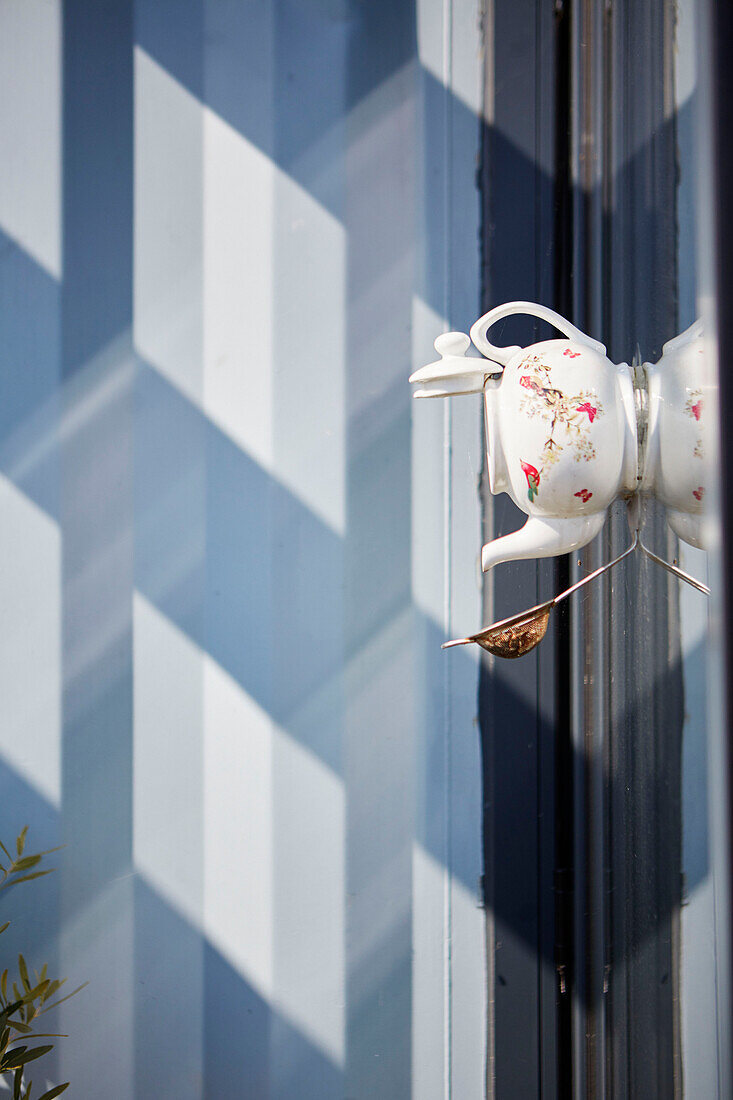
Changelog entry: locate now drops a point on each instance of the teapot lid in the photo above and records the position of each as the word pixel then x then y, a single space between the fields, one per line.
pixel 454 373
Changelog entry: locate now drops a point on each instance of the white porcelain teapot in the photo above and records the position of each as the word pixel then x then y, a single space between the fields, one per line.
pixel 560 428
pixel 677 450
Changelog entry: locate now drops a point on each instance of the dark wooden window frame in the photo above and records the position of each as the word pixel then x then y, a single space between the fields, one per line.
pixel 582 740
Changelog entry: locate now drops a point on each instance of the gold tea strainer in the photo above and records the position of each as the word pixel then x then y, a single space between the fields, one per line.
pixel 520 633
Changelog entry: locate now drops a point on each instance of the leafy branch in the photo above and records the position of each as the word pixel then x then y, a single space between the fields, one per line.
pixel 20 867
pixel 23 1002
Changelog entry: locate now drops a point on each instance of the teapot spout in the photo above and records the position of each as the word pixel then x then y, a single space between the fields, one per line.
pixel 542 537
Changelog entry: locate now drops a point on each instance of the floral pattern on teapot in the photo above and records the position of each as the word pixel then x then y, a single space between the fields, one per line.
pixel 565 416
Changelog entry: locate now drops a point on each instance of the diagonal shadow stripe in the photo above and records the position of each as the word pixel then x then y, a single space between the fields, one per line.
pixel 30 316
pixel 283 74
pixel 215 538
pixel 298 80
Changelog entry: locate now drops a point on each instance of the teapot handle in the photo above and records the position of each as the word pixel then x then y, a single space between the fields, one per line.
pixel 503 355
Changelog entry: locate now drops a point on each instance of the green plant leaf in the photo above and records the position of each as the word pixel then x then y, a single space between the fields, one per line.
pixel 53 987
pixel 20 842
pixel 8 1011
pixel 26 878
pixel 52 1093
pixel 4 926
pixel 24 974
pixel 36 993
pixel 8 1060
pixel 62 999
pixel 25 863
pixel 47 1034
pixel 20 1056
pixel 17 1025
pixel 17 1082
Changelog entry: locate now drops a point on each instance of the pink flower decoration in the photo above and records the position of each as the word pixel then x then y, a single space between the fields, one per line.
pixel 525 381
pixel 586 407
pixel 584 495
pixel 697 409
pixel 532 475
pixel 530 471
pixel 698 493
pixel 571 354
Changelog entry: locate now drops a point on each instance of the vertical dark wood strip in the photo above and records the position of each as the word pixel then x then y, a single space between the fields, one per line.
pixel 518 700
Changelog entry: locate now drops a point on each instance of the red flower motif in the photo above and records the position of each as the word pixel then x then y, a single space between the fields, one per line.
pixel 586 407
pixel 698 493
pixel 525 381
pixel 571 354
pixel 532 475
pixel 584 495
pixel 697 409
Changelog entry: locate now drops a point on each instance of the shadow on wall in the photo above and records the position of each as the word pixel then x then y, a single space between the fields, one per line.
pixel 138 477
